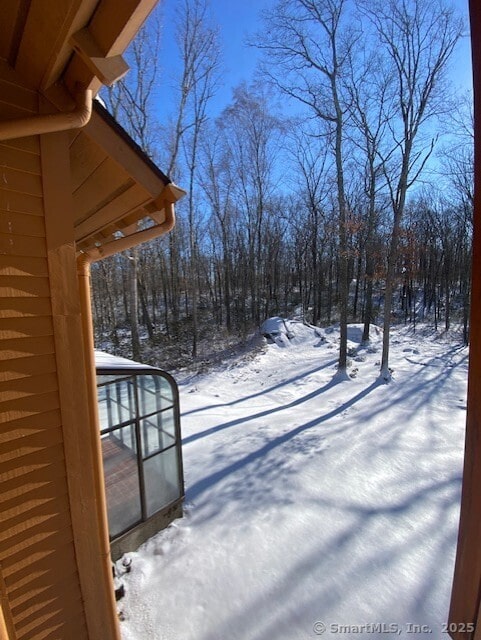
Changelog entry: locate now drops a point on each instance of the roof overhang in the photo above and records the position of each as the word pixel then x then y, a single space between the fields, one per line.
pixel 120 197
pixel 72 41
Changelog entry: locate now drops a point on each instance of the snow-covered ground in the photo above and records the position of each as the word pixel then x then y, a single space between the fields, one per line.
pixel 313 507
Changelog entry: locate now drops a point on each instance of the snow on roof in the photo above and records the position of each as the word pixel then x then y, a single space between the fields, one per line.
pixel 105 360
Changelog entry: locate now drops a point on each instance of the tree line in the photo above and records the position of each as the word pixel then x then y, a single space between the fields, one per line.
pixel 336 187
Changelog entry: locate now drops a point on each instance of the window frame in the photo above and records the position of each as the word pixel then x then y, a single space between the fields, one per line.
pixel 129 374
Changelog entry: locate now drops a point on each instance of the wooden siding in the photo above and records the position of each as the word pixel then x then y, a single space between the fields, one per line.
pixel 38 567
pixel 78 397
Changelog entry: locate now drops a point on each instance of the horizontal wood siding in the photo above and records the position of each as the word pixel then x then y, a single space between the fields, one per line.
pixel 38 566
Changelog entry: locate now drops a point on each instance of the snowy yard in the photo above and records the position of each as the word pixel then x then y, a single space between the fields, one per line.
pixel 310 501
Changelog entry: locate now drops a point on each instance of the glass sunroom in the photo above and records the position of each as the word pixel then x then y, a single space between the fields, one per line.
pixel 141 449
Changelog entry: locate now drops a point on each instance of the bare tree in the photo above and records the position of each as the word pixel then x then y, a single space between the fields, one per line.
pixel 370 86
pixel 200 57
pixel 458 165
pixel 131 103
pixel 308 45
pixel 251 141
pixel 244 248
pixel 217 180
pixel 131 100
pixel 418 38
pixel 457 155
pixel 310 156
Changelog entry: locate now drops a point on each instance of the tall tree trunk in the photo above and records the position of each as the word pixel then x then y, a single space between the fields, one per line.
pixel 371 219
pixel 145 309
pixel 133 304
pixel 343 245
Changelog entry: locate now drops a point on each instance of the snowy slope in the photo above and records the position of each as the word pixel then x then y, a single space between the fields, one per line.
pixel 310 500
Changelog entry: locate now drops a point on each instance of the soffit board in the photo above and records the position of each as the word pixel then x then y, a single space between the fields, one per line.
pixel 36 36
pixel 115 186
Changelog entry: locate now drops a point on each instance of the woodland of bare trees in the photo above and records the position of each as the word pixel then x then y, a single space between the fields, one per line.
pixel 337 187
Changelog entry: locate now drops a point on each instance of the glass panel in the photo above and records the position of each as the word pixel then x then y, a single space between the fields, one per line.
pixel 103 408
pixel 161 477
pixel 155 393
pixel 125 437
pixel 157 432
pixel 121 480
pixel 116 402
pixel 168 423
pixel 166 391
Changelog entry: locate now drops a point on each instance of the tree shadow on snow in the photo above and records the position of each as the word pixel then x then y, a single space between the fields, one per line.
pixel 195 490
pixel 396 577
pixel 284 383
pixel 389 554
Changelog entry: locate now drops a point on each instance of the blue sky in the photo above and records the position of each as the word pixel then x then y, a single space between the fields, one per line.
pixel 461 64
pixel 237 19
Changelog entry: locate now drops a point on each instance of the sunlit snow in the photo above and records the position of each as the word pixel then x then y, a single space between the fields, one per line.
pixel 313 507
